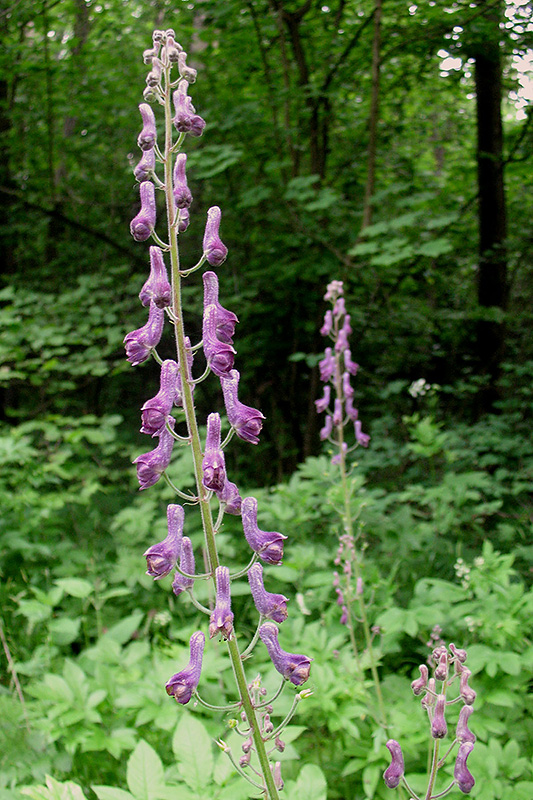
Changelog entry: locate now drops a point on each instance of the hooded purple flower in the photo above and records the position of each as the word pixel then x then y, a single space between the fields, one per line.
pixel 325 432
pixel 439 729
pixel 327 365
pixel 323 403
pixel 161 557
pixel 461 773
pixel 351 411
pixel 333 290
pixel 465 691
pixel 291 666
pixel 150 466
pixel 459 655
pixel 362 438
pixel 462 731
pixel 142 225
pixel 141 342
pixel 219 355
pixel 213 466
pixel 231 498
pixel 350 365
pixel 325 330
pixel 146 166
pixel 187 73
pixel 267 544
pixel 393 774
pixel 214 250
pixel 272 606
pixel 337 412
pixel 157 287
pixel 420 683
pixel 182 194
pixel 181 583
pixel 184 109
pixel 148 135
pixel 156 411
pixel 246 421
pixel 226 320
pixel 182 685
pixel 221 620
pixel 183 221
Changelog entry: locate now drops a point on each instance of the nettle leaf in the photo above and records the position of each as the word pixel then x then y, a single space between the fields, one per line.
pixel 111 793
pixel 144 772
pixel 54 790
pixel 192 747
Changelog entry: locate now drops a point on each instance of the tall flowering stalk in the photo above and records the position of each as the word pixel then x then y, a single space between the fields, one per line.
pixel 336 370
pixel 449 671
pixel 163 298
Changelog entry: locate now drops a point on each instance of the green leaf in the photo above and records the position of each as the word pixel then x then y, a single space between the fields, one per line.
pixel 310 784
pixel 144 772
pixel 111 793
pixel 75 587
pixel 54 790
pixel 437 247
pixel 192 747
pixel 64 630
pixel 124 629
pixel 510 663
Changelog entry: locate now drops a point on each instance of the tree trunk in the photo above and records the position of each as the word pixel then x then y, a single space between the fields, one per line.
pixel 373 118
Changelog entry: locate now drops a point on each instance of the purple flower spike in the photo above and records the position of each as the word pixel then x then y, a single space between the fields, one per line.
pixel 462 731
pixel 339 309
pixel 328 427
pixel 291 666
pixel 150 466
pixel 420 684
pixel 142 225
pixel 181 583
pixel 221 620
pixel 461 773
pixel 182 685
pixel 141 342
pixel 465 691
pixel 161 557
pixel 246 421
pixel 226 320
pixel 393 774
pixel 157 287
pixel 272 606
pixel 156 411
pixel 333 290
pixel 182 193
pixel 146 166
pixel 231 498
pixel 213 465
pixel 327 365
pixel 267 544
pixel 219 355
pixel 148 135
pixel 362 438
pixel 323 403
pixel 439 729
pixel 187 73
pixel 214 250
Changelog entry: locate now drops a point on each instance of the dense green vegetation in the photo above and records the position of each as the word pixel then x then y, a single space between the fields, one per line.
pixel 443 493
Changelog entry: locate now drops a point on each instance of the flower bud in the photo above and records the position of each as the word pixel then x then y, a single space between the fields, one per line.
pixel 337 412
pixel 153 78
pixel 465 691
pixel 325 330
pixel 327 365
pixel 219 355
pixel 225 320
pixel 157 287
pixel 291 666
pixel 181 583
pixel 187 73
pixel 140 343
pixel 155 412
pixel 325 432
pixel 184 109
pixel 462 731
pixel 267 544
pixel 323 403
pixel 146 166
pixel 231 498
pixel 183 221
pixel 148 136
pixel 362 438
pixel 276 774
pixel 350 365
pixel 420 683
pixel 214 250
pixel 246 421
pixel 161 557
pixel 439 728
pixel 221 620
pixel 429 698
pixel 333 290
pixel 143 224
pixel 213 466
pixel 150 466
pixel 441 670
pixel 271 606
pixel 460 655
pixel 182 194
pixel 393 774
pixel 462 775
pixel 182 685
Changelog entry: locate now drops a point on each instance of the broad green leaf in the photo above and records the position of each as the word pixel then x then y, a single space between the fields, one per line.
pixel 437 247
pixel 144 772
pixel 124 629
pixel 75 587
pixel 64 630
pixel 192 747
pixel 309 785
pixel 111 793
pixel 54 790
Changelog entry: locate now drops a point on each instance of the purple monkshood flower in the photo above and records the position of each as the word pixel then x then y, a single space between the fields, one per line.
pixel 346 386
pixel 187 73
pixel 156 411
pixel 267 544
pixel 338 412
pixel 439 729
pixel 291 666
pixel 183 221
pixel 333 290
pixel 325 330
pixel 269 605
pixel 182 193
pixel 183 107
pixel 146 166
pixel 327 429
pixel 361 438
pixel 420 683
pixel 327 365
pixel 182 685
pixel 323 403
pixel 157 287
pixel 350 365
pixel 143 224
pixel 461 773
pixel 462 731
pixel 213 466
pixel 148 135
pixel 226 320
pixel 150 466
pixel 393 774
pixel 246 421
pixel 219 355
pixel 141 342
pixel 181 583
pixel 458 654
pixel 465 691
pixel 351 411
pixel 339 309
pixel 214 250
pixel 161 557
pixel 221 620
pixel 231 498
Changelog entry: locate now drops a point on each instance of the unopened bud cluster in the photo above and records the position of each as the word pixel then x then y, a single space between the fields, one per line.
pixel 450 671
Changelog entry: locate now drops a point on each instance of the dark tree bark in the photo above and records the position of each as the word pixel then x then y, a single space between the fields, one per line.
pixel 492 277
pixel 373 117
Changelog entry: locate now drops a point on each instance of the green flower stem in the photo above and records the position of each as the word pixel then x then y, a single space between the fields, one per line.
pixel 192 428
pixel 434 767
pixel 248 651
